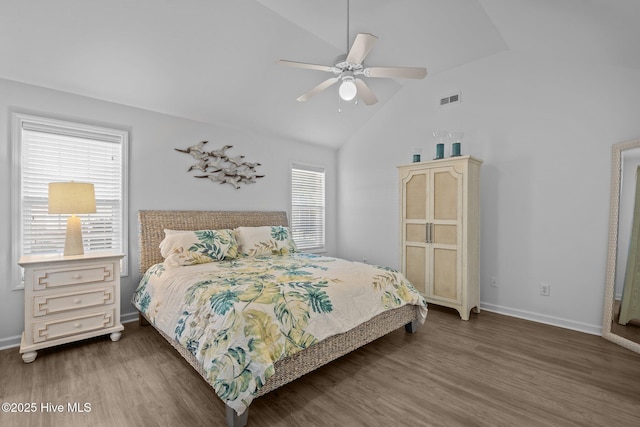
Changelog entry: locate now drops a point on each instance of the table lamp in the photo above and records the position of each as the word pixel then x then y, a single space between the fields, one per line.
pixel 72 198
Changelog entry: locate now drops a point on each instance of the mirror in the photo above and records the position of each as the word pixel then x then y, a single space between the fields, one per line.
pixel 624 164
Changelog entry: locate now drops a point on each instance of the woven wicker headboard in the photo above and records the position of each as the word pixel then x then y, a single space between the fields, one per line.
pixel 151 226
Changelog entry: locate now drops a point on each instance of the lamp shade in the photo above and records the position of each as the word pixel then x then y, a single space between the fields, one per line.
pixel 71 198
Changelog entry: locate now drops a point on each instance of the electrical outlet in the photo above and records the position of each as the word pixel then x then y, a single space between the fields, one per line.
pixel 493 281
pixel 545 289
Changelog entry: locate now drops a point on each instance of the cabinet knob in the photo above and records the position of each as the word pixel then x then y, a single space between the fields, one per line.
pixel 76 276
pixel 77 300
pixel 77 325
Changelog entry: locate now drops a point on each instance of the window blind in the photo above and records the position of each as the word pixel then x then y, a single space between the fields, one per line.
pixel 307 207
pixel 55 151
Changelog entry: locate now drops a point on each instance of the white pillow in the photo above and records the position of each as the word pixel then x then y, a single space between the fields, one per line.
pixel 197 247
pixel 265 240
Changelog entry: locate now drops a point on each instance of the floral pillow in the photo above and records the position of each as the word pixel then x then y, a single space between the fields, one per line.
pixel 253 241
pixel 197 247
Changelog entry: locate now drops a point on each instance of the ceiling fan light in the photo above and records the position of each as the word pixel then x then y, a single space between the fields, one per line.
pixel 347 90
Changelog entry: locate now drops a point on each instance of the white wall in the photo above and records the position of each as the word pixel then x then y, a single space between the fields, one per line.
pixel 544 129
pixel 158 177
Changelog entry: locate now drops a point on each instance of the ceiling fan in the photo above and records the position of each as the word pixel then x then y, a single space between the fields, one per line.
pixel 349 69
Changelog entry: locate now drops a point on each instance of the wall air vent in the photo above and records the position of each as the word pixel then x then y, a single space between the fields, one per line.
pixel 451 99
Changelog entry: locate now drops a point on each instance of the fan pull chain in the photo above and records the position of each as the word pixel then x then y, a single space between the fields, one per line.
pixel 355 102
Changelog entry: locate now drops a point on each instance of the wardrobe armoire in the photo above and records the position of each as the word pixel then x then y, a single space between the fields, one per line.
pixel 440 231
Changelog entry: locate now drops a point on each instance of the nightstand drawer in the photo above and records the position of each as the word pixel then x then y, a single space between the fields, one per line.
pixel 48 330
pixel 52 278
pixel 50 304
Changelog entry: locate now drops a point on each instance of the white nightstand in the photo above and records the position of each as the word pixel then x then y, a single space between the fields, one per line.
pixel 69 298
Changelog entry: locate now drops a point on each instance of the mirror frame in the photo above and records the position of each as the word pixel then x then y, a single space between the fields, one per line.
pixel 614 211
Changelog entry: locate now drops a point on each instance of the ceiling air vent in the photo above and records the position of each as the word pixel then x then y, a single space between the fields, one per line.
pixel 451 99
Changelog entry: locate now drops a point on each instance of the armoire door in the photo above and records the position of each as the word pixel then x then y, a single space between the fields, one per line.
pixel 445 218
pixel 414 200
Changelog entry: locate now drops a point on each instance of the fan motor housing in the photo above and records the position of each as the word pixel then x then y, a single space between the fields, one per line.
pixel 343 65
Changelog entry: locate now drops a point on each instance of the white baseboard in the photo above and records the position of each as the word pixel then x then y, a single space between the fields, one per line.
pixel 11 342
pixel 129 317
pixel 542 318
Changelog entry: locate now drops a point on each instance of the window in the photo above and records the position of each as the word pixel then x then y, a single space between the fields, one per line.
pixel 307 207
pixel 47 150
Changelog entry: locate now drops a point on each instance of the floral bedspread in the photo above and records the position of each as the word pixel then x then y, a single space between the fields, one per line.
pixel 239 317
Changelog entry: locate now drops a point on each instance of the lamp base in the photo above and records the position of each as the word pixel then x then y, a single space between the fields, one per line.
pixel 73 240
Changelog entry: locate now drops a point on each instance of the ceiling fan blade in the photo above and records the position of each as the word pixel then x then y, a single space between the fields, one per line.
pixel 365 93
pixel 322 86
pixel 402 72
pixel 361 47
pixel 328 68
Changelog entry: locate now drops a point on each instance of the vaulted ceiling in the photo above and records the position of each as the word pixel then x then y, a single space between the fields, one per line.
pixel 214 60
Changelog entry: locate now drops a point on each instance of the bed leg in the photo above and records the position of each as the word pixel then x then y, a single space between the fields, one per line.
pixel 141 320
pixel 235 420
pixel 411 327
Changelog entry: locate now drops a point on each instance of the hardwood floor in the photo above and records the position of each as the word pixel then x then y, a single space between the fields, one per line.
pixel 490 371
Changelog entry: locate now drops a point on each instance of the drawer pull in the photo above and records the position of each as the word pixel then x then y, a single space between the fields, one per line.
pixel 76 276
pixel 77 325
pixel 77 300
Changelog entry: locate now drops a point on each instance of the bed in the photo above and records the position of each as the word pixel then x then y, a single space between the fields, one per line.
pixel 162 297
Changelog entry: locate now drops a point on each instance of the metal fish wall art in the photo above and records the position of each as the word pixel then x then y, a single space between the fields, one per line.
pixel 217 166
